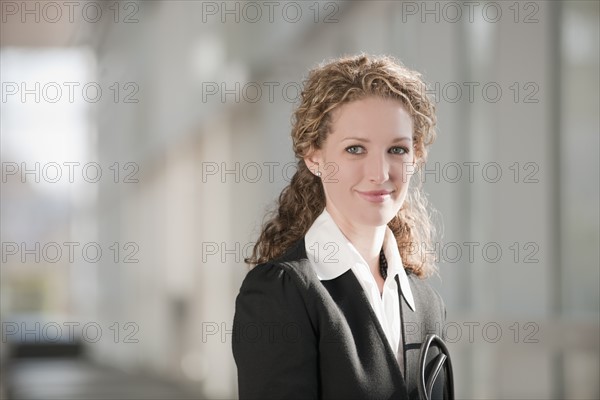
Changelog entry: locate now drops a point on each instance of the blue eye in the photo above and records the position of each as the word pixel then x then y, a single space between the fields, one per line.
pixel 354 149
pixel 399 150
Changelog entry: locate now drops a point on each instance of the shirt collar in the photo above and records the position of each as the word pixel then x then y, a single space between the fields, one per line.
pixel 331 254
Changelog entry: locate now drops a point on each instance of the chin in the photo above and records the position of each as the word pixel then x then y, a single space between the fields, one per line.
pixel 379 218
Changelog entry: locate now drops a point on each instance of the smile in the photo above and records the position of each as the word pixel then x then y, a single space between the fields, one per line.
pixel 376 196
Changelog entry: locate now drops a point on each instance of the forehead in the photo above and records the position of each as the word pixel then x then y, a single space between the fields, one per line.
pixel 372 116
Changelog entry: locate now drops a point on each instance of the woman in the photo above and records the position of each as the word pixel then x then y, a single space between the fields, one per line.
pixel 335 307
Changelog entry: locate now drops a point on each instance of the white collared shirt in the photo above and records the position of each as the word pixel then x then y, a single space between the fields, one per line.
pixel 331 254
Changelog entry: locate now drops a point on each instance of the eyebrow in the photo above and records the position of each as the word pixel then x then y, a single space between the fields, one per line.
pixel 368 141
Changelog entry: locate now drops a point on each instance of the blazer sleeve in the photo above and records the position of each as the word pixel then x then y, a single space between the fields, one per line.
pixel 274 343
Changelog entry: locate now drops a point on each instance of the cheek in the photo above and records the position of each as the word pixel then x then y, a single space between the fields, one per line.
pixel 404 174
pixel 340 180
pixel 339 183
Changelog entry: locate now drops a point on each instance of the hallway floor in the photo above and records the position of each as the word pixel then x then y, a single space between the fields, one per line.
pixel 78 379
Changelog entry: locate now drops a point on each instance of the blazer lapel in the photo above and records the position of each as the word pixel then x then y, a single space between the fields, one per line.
pixel 351 299
pixel 411 338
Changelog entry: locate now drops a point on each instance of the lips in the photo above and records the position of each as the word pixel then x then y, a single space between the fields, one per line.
pixel 376 196
pixel 377 192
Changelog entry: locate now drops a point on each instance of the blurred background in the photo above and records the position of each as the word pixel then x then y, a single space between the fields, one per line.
pixel 143 141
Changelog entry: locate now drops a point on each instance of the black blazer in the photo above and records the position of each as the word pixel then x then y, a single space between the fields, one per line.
pixel 296 337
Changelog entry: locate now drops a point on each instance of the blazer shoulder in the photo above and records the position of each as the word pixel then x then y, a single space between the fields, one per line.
pixel 293 264
pixel 279 272
pixel 279 291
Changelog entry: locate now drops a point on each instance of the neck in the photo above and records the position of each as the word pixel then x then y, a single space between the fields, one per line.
pixel 368 240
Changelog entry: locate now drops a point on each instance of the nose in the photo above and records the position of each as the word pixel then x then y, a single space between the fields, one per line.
pixel 378 169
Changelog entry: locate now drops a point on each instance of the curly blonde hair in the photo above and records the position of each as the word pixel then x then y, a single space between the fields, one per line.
pixel 328 86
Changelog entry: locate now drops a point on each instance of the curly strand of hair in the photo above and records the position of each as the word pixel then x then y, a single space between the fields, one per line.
pixel 300 203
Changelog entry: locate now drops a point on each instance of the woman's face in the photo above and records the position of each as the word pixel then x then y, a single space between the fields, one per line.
pixel 366 161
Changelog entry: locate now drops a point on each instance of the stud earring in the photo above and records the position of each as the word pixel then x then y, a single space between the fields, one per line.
pixel 318 173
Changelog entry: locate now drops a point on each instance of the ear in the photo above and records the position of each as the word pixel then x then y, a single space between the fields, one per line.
pixel 314 160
